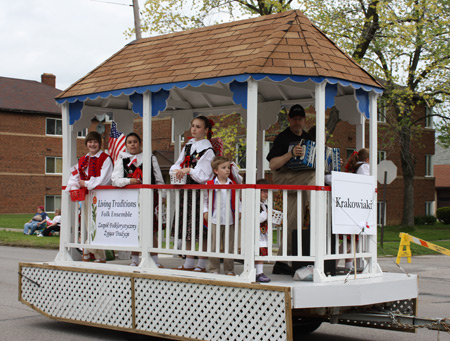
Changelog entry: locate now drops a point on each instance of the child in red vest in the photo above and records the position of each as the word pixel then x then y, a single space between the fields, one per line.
pixel 221 168
pixel 94 169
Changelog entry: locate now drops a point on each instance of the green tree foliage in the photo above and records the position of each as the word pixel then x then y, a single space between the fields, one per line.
pixel 230 128
pixel 166 16
pixel 404 43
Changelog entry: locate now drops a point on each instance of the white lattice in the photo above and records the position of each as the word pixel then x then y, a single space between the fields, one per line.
pixel 209 312
pixel 80 296
pixel 174 308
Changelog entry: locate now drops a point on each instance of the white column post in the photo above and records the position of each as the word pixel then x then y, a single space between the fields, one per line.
pixel 319 221
pixel 248 205
pixel 361 133
pixel 146 197
pixel 69 159
pixel 373 156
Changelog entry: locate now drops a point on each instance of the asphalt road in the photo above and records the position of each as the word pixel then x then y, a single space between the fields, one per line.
pixel 19 322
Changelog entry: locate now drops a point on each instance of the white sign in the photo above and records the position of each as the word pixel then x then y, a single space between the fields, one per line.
pixel 390 168
pixel 353 203
pixel 114 217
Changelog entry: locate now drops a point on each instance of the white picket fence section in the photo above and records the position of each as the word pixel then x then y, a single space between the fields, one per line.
pixel 171 238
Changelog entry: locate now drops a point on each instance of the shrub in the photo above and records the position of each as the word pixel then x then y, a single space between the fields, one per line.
pixel 425 220
pixel 443 215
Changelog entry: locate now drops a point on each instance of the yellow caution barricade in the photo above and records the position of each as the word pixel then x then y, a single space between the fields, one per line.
pixel 404 249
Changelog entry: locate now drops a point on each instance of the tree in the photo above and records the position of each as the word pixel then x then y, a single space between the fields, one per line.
pixel 166 16
pixel 405 43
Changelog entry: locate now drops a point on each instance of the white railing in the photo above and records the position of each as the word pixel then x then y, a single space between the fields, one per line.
pixel 171 231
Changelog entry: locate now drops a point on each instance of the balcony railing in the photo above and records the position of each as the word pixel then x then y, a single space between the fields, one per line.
pixel 170 234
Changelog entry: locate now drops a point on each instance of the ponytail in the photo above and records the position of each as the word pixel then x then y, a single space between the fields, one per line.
pixel 352 163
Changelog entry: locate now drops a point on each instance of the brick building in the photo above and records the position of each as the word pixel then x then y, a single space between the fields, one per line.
pixel 30 136
pixel 442 175
pixel 388 149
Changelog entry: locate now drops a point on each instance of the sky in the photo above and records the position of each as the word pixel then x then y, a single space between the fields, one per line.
pixel 68 38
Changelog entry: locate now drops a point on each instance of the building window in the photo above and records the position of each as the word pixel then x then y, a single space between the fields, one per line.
pixel 381 156
pixel 53 165
pixel 429 208
pixel 381 116
pixel 429 122
pixel 428 165
pixel 52 202
pixel 349 152
pixel 381 218
pixel 53 126
pixel 82 133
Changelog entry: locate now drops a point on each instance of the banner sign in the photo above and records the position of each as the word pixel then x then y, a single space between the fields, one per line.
pixel 354 204
pixel 114 217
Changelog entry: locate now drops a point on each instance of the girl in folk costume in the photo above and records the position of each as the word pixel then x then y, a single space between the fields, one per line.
pixel 358 163
pixel 94 169
pixel 128 171
pixel 195 162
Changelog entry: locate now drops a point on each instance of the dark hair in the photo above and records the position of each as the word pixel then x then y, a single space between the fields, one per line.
pixel 263 182
pixel 208 124
pixel 218 160
pixel 352 163
pixel 93 135
pixel 135 135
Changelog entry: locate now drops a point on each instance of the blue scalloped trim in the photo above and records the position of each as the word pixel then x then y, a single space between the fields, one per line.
pixel 159 101
pixel 362 98
pixel 238 96
pixel 330 94
pixel 239 90
pixel 137 103
pixel 75 111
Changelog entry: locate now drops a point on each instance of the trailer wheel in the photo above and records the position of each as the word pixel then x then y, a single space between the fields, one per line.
pixel 303 326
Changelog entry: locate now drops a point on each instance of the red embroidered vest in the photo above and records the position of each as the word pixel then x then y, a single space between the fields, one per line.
pixel 94 165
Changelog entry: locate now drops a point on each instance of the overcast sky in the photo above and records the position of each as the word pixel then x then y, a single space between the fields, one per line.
pixel 68 38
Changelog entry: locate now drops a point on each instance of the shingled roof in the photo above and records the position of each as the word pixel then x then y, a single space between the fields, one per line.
pixel 21 95
pixel 285 44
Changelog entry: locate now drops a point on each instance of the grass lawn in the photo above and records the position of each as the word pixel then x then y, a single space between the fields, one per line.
pixel 8 238
pixel 438 234
pixel 15 221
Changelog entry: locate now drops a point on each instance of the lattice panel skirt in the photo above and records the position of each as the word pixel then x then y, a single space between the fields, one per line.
pixel 80 296
pixel 147 304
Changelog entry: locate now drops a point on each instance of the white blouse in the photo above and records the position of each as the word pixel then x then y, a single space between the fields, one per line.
pixel 223 204
pixel 103 180
pixel 202 171
pixel 364 169
pixel 119 180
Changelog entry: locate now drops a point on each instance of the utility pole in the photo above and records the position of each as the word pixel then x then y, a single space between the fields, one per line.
pixel 137 20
